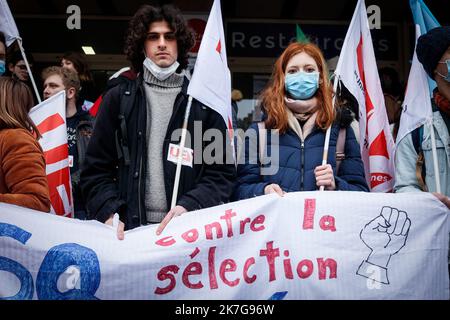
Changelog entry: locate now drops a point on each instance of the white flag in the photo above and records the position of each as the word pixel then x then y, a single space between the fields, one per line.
pixel 357 69
pixel 211 81
pixel 7 24
pixel 417 104
pixel 50 119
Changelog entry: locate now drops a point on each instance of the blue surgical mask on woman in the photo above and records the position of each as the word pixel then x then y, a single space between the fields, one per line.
pixel 446 78
pixel 2 67
pixel 302 85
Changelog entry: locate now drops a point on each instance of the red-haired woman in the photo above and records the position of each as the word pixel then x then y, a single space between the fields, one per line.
pixel 23 180
pixel 297 103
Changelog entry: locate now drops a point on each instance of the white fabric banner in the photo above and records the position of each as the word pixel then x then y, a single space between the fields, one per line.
pixel 306 245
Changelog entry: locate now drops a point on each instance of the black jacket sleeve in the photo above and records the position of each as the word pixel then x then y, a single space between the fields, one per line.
pixel 98 176
pixel 215 185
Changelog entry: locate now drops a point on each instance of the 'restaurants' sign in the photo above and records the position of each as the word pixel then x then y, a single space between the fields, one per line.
pixel 269 39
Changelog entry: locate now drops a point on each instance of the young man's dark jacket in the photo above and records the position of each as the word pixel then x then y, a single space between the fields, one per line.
pixel 79 130
pixel 110 186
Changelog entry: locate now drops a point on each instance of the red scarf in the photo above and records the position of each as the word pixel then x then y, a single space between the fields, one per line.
pixel 442 103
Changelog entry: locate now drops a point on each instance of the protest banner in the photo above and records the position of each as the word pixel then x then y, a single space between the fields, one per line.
pixel 305 245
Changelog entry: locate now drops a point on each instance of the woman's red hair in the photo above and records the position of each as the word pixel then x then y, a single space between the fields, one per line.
pixel 272 97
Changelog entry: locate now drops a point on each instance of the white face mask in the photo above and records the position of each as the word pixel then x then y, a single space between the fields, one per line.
pixel 160 73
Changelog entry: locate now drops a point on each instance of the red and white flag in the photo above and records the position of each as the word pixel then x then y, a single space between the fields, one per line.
pixel 211 81
pixel 357 69
pixel 50 119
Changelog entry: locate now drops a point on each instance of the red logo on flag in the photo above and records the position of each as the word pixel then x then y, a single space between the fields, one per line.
pixel 379 146
pixel 377 178
pixel 219 47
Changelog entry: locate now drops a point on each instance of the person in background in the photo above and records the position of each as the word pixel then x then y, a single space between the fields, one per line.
pixel 414 168
pixel 17 69
pixel 393 97
pixel 298 103
pixel 123 76
pixel 414 160
pixel 76 61
pixel 79 123
pixel 23 180
pixel 236 96
pixel 349 107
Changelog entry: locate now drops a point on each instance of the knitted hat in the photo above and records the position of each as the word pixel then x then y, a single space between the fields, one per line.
pixel 431 46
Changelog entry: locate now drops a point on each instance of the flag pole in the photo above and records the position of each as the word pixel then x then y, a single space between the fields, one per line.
pixel 29 70
pixel 326 145
pixel 180 153
pixel 434 153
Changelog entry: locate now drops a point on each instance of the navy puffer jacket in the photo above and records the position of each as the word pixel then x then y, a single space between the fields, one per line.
pixel 297 162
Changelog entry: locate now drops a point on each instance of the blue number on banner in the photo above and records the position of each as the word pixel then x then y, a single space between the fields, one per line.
pixel 56 262
pixel 26 280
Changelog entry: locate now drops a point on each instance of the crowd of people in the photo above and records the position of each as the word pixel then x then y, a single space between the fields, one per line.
pixel 120 160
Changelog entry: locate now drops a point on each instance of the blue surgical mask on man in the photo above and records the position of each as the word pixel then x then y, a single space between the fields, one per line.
pixel 446 78
pixel 302 85
pixel 2 67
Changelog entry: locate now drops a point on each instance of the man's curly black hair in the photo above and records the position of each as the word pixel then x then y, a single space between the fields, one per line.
pixel 138 28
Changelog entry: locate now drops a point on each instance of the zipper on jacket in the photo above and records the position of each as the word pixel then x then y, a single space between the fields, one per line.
pixel 302 165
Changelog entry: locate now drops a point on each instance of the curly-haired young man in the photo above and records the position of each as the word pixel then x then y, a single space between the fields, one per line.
pixel 128 168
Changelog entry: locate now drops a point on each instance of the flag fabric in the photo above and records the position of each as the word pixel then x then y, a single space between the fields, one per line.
pixel 9 29
pixel 50 119
pixel 7 23
pixel 357 69
pixel 211 80
pixel 93 110
pixel 87 106
pixel 426 21
pixel 422 16
pixel 299 35
pixel 417 104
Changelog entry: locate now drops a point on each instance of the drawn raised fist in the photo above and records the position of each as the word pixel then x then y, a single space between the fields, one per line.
pixel 384 236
